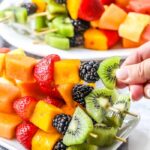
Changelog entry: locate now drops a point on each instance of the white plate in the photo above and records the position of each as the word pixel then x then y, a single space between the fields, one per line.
pixel 25 42
pixel 129 124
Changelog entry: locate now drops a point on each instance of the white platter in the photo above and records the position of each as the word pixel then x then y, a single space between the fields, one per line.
pixel 25 42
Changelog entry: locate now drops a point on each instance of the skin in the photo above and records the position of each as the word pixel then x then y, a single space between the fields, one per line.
pixel 135 73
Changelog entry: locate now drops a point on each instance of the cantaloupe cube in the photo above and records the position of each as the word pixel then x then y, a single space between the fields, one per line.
pixel 43 116
pixel 112 17
pixel 31 89
pixel 66 71
pixel 8 124
pixel 8 93
pixel 133 26
pixel 44 141
pixel 2 63
pixel 69 110
pixel 20 67
pixel 66 92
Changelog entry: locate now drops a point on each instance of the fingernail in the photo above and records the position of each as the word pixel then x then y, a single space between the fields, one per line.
pixel 148 93
pixel 122 74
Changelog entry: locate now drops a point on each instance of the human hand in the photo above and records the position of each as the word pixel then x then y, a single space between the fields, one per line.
pixel 135 73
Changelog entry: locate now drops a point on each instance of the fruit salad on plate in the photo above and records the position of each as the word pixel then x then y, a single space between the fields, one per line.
pixel 92 24
pixel 55 104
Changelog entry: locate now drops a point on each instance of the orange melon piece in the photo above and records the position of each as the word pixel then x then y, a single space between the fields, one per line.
pixel 122 3
pixel 66 71
pixel 8 124
pixel 112 18
pixel 133 26
pixel 30 89
pixel 44 141
pixel 98 40
pixel 2 63
pixel 130 44
pixel 8 93
pixel 68 110
pixel 65 91
pixel 73 8
pixel 43 116
pixel 20 67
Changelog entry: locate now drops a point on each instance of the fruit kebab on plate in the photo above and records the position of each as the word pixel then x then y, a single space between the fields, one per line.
pixel 92 24
pixel 55 104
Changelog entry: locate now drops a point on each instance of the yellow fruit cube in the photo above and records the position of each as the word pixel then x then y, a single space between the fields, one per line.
pixel 43 116
pixel 112 17
pixel 18 51
pixel 44 141
pixel 66 71
pixel 133 26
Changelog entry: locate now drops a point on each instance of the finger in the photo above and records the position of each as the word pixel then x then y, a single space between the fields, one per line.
pixel 120 84
pixel 134 74
pixel 137 91
pixel 139 55
pixel 147 90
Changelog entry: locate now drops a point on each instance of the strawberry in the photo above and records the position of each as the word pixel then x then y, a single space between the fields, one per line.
pixel 90 10
pixel 44 74
pixel 107 2
pixel 25 132
pixel 24 106
pixel 56 102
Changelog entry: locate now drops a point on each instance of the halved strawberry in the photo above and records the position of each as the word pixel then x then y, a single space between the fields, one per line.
pixel 90 10
pixel 24 106
pixel 25 132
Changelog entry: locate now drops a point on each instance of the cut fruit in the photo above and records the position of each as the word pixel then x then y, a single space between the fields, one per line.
pixel 44 141
pixel 97 101
pixel 73 8
pixel 68 110
pixel 79 128
pixel 20 67
pixel 57 41
pixel 43 116
pixel 146 34
pixel 8 124
pixel 98 40
pixel 40 4
pixel 18 51
pixel 112 18
pixel 133 26
pixel 66 92
pixel 2 63
pixel 83 147
pixel 106 135
pixel 62 73
pixel 122 3
pixel 107 71
pixel 8 94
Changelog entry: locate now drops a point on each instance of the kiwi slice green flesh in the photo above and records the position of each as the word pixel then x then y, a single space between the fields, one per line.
pixel 106 135
pixel 57 41
pixel 83 147
pixel 97 101
pixel 106 71
pixel 79 128
pixel 21 15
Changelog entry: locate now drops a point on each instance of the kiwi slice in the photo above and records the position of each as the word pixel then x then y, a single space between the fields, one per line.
pixel 97 101
pixel 64 26
pixel 57 41
pixel 106 71
pixel 83 147
pixel 79 128
pixel 21 15
pixel 106 135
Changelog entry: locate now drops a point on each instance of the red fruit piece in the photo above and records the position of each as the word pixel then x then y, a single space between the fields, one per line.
pixel 25 132
pixel 24 106
pixel 90 10
pixel 44 73
pixel 56 102
pixel 4 50
pixel 107 2
pixel 112 37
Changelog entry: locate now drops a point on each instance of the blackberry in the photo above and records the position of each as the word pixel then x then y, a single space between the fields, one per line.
pixel 79 92
pixel 61 122
pixel 77 40
pixel 80 25
pixel 60 146
pixel 31 7
pixel 60 1
pixel 88 71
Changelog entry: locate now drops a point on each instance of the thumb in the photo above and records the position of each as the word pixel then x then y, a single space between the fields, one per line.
pixel 134 74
